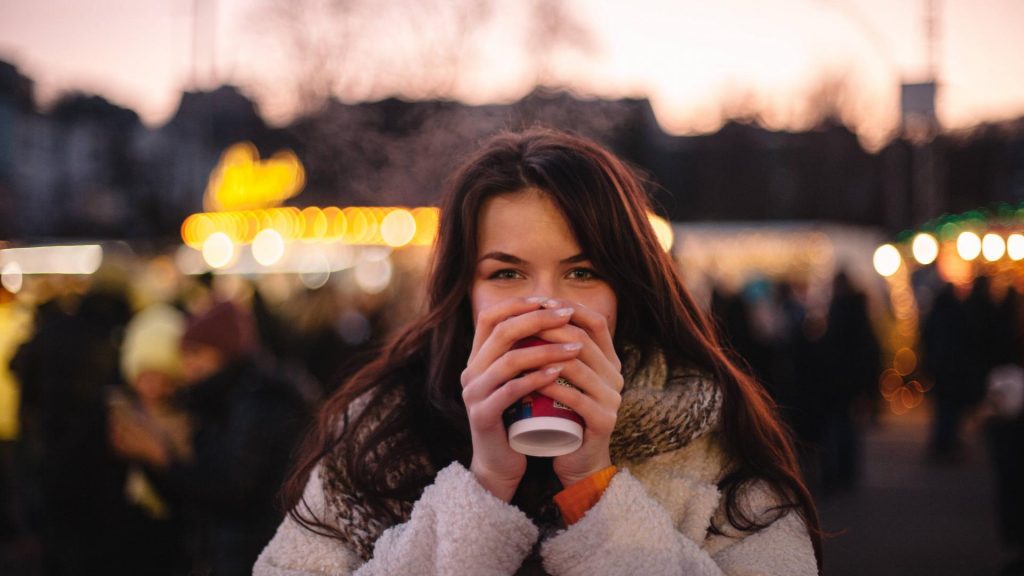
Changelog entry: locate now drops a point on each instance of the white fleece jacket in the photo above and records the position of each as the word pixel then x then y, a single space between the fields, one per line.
pixel 653 519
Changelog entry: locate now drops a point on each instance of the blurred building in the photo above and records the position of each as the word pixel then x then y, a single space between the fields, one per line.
pixel 176 159
pixel 88 168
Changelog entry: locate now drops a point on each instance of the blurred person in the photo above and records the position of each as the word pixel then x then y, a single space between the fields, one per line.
pixel 273 334
pixel 246 422
pixel 953 359
pixel 69 482
pixel 1003 409
pixel 151 366
pixel 683 468
pixel 1004 430
pixel 798 371
pixel 992 333
pixel 733 314
pixel 853 358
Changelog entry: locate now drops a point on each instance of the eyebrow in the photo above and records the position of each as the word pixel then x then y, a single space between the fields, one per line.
pixel 510 259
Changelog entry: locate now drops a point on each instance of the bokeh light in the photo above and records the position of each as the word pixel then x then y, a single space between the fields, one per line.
pixel 268 247
pixel 337 224
pixel 427 220
pixel 315 270
pixel 993 247
pixel 358 227
pixel 373 276
pixel 1015 247
pixel 218 250
pixel 889 383
pixel 925 248
pixel 354 225
pixel 909 397
pixel 398 227
pixel 887 260
pixel 315 224
pixel 905 361
pixel 968 245
pixel 11 277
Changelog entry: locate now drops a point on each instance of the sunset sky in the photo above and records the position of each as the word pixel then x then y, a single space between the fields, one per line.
pixel 696 60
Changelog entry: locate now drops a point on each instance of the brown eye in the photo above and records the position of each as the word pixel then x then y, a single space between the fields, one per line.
pixel 583 274
pixel 505 274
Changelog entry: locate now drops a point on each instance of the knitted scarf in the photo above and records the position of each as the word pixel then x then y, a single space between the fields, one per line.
pixel 660 412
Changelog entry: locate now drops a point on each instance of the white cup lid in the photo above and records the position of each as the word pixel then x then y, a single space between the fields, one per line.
pixel 545 436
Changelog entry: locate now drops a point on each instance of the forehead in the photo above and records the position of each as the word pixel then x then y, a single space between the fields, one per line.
pixel 524 219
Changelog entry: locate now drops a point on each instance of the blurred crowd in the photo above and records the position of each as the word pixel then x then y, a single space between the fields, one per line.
pixel 153 439
pixel 153 434
pixel 823 369
pixel 973 344
pixel 821 366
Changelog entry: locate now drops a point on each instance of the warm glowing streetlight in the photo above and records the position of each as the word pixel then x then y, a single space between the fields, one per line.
pixel 968 245
pixel 887 260
pixel 1015 247
pixel 268 247
pixel 925 248
pixel 11 277
pixel 398 228
pixel 218 250
pixel 993 247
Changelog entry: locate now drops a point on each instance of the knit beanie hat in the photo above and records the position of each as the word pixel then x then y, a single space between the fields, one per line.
pixel 152 342
pixel 224 327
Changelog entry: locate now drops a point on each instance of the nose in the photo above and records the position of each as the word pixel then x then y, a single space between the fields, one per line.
pixel 548 285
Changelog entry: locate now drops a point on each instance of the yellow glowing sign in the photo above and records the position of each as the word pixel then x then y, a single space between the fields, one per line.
pixel 355 225
pixel 241 181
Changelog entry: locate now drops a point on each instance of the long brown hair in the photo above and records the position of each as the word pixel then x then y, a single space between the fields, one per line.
pixel 606 207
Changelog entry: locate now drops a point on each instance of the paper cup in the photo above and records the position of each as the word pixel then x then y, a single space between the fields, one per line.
pixel 540 426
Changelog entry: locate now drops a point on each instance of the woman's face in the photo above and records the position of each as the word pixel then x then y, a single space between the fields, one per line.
pixel 526 248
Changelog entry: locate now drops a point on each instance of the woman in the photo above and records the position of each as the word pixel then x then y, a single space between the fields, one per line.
pixel 684 467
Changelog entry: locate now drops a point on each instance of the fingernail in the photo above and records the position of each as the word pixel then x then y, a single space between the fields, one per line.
pixel 536 299
pixel 553 370
pixel 564 312
pixel 572 346
pixel 550 303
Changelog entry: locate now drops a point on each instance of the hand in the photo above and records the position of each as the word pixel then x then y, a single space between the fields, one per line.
pixel 132 439
pixel 497 376
pixel 597 375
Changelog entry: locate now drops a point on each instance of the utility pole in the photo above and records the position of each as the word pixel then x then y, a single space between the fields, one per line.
pixel 920 126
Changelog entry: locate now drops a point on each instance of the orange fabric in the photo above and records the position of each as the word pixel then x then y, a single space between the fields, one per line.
pixel 575 500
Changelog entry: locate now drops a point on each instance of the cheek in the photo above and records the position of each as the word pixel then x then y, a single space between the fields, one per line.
pixel 610 316
pixel 478 300
pixel 607 305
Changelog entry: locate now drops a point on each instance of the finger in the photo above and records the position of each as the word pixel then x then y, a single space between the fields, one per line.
pixel 493 315
pixel 514 363
pixel 511 330
pixel 600 418
pixel 591 354
pixel 604 389
pixel 488 411
pixel 595 324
